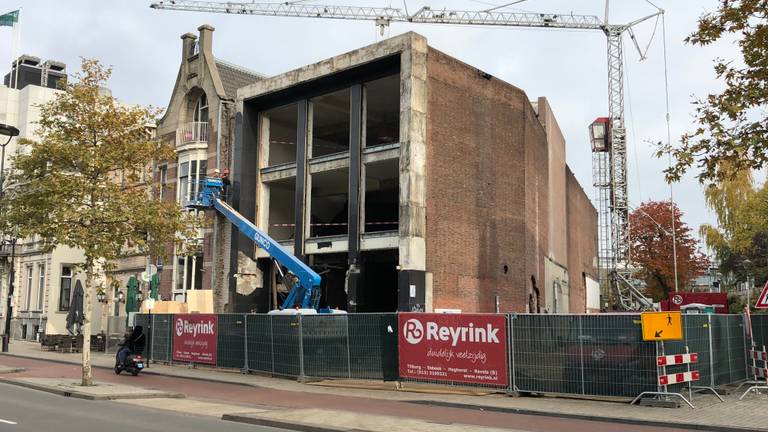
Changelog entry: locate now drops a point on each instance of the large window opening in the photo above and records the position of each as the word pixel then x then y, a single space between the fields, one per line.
pixel 329 203
pixel 382 111
pixel 333 269
pixel 382 196
pixel 330 123
pixel 282 209
pixel 281 124
pixel 377 288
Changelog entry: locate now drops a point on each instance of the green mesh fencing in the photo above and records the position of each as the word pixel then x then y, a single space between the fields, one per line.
pixel 230 342
pixel 581 354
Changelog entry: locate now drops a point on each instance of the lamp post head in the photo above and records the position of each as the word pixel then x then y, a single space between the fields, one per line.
pixel 8 130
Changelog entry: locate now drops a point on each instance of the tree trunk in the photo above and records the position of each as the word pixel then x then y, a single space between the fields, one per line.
pixel 86 328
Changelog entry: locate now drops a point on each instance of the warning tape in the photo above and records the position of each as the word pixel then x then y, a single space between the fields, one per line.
pixel 678 378
pixel 677 359
pixel 758 355
pixel 287 225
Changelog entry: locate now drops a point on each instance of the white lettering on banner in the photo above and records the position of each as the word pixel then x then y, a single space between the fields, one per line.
pixel 414 333
pixel 184 326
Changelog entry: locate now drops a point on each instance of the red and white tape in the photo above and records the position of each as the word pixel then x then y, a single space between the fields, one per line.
pixel 758 355
pixel 677 359
pixel 678 378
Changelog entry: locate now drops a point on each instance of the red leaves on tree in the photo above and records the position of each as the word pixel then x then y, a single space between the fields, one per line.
pixel 652 252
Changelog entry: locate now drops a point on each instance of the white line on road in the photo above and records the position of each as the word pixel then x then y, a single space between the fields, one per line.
pixel 7 422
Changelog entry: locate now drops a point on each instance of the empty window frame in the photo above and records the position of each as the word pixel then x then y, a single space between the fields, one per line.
pixel 329 203
pixel 330 123
pixel 281 125
pixel 382 111
pixel 282 209
pixel 382 196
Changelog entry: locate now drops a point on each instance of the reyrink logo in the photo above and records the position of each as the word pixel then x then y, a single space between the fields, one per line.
pixel 414 333
pixel 183 326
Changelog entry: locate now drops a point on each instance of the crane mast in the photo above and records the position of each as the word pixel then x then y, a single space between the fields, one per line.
pixel 609 168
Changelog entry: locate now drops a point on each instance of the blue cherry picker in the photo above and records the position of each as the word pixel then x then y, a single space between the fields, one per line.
pixel 302 282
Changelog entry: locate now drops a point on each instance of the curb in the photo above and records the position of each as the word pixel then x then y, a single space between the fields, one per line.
pixel 10 370
pixel 293 426
pixel 143 372
pixel 621 420
pixel 86 396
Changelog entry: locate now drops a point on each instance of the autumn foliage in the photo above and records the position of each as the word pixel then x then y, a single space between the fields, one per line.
pixel 652 253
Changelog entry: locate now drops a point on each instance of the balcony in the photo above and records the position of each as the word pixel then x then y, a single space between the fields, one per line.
pixel 191 133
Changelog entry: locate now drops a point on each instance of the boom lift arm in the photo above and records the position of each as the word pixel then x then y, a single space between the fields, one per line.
pixel 304 290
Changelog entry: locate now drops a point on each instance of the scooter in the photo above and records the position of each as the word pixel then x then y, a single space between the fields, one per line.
pixel 134 363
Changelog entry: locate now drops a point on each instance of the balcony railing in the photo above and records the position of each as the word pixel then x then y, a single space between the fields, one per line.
pixel 192 132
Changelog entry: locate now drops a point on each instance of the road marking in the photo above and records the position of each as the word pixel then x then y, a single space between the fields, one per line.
pixel 7 422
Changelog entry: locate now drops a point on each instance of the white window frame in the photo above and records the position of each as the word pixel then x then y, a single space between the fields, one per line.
pixel 30 270
pixel 193 180
pixel 40 286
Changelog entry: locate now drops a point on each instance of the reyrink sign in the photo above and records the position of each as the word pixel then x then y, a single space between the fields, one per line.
pixel 195 337
pixel 467 348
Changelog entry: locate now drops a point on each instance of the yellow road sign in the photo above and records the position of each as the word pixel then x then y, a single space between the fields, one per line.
pixel 661 326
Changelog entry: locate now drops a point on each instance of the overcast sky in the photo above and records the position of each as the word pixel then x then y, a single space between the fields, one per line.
pixel 568 67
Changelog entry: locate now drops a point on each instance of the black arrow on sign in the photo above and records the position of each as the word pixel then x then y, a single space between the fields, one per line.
pixel 658 333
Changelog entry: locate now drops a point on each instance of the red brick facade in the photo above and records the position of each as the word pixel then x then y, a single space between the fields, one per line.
pixel 486 189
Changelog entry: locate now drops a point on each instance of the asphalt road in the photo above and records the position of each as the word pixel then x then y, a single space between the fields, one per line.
pixel 24 410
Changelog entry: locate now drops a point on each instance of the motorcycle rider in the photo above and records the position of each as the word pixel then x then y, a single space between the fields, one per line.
pixel 133 343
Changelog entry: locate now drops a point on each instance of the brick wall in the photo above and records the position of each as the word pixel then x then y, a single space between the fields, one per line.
pixel 486 189
pixel 582 242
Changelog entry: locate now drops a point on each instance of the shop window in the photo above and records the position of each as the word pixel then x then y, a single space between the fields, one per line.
pixel 330 123
pixel 382 111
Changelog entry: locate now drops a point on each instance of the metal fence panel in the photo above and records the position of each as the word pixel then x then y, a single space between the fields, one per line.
pixel 259 334
pixel 736 347
pixel 145 321
pixel 325 346
pixel 373 346
pixel 160 336
pixel 286 344
pixel 582 354
pixel 230 342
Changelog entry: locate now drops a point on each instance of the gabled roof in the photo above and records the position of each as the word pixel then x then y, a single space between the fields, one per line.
pixel 233 77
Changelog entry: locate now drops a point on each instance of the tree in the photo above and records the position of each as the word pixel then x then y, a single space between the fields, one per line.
pixel 87 183
pixel 732 131
pixel 651 233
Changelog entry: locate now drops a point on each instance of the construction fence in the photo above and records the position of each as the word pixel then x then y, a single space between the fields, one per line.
pixel 592 355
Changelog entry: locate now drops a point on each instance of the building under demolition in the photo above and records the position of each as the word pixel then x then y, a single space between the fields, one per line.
pixel 410 181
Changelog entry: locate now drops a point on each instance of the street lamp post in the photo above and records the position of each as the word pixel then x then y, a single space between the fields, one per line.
pixel 10 132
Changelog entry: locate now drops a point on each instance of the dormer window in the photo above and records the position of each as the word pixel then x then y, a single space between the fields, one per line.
pixel 200 115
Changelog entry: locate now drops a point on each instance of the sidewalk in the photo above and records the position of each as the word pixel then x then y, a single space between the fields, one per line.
pixel 733 415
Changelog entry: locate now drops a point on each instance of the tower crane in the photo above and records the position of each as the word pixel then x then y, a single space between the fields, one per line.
pixel 609 160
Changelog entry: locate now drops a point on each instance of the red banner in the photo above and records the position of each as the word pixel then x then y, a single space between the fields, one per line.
pixel 467 348
pixel 194 338
pixel 678 299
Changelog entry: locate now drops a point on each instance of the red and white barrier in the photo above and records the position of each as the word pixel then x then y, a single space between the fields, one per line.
pixel 758 355
pixel 678 378
pixel 759 372
pixel 677 359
